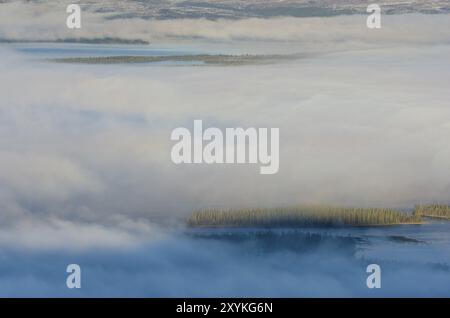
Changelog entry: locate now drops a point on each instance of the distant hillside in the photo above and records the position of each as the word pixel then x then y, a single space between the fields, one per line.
pixel 238 9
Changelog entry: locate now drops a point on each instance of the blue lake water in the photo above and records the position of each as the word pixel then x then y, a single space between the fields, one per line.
pixel 424 243
pixel 49 50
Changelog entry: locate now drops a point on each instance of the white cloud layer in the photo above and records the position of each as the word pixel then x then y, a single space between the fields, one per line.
pixel 86 175
pixel 358 126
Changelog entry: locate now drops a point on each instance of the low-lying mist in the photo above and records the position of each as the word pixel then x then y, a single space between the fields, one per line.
pixel 86 175
pixel 189 266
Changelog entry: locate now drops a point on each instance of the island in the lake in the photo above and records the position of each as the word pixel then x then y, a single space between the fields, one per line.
pixel 314 216
pixel 202 59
